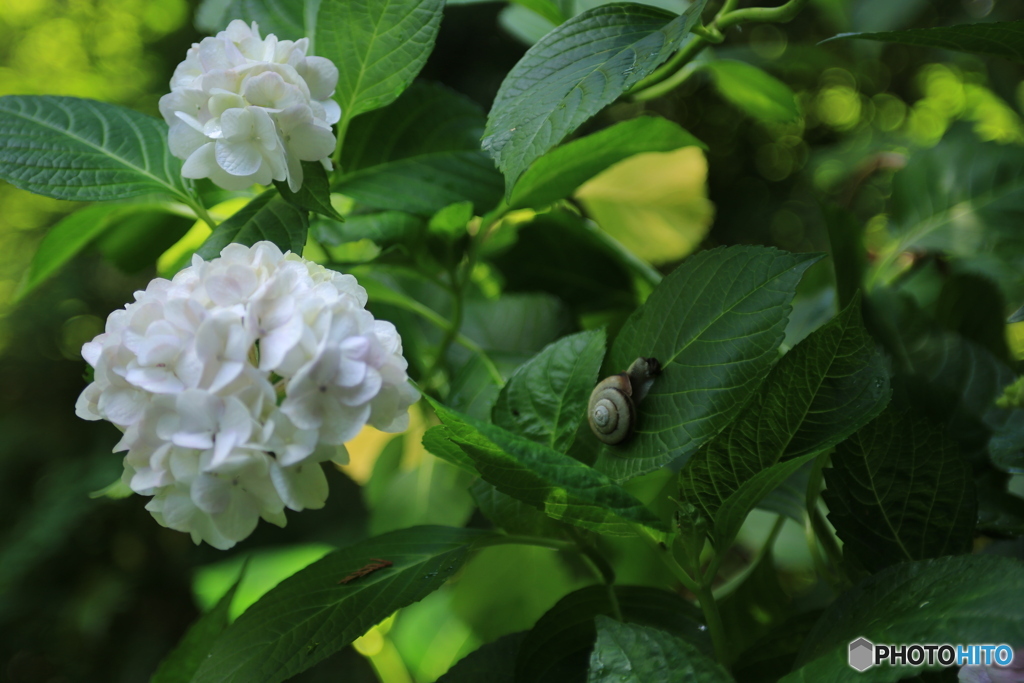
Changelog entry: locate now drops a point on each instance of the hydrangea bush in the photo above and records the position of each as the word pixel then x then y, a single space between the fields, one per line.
pixel 237 380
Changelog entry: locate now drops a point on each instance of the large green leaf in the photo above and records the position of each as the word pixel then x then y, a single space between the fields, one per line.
pixel 427 118
pixel 185 659
pixel 559 644
pixel 288 20
pixel 70 236
pixel 572 73
pixel 1002 38
pixel 515 516
pixel 382 227
pixel 559 172
pixel 572 259
pixel 826 388
pixel 970 599
pixel 899 490
pixel 426 183
pixel 715 323
pixel 753 91
pixel 546 398
pixel 562 487
pixel 494 662
pixel 420 154
pixel 267 217
pixel 70 148
pixel 756 608
pixel 962 198
pixel 953 380
pixel 378 47
pixel 311 614
pixel 628 653
pixel 438 441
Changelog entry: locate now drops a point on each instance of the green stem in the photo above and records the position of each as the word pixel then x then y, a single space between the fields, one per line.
pixel 708 33
pixel 668 85
pixel 665 555
pixel 454 325
pixel 342 129
pixel 713 619
pixel 202 213
pixel 760 15
pixel 433 317
pixel 726 18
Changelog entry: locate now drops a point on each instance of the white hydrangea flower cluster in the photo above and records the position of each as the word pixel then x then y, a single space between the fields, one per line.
pixel 246 110
pixel 235 379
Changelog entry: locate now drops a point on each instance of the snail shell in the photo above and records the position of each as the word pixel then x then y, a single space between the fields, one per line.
pixel 611 411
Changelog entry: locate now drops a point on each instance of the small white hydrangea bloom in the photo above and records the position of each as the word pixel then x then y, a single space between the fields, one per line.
pixel 233 381
pixel 244 110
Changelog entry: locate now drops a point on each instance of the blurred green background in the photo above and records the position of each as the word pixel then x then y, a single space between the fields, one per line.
pixel 94 590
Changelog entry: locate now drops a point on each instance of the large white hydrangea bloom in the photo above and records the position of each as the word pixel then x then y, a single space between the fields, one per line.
pixel 246 110
pixel 234 380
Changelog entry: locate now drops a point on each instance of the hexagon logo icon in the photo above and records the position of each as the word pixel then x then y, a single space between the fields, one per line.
pixel 862 654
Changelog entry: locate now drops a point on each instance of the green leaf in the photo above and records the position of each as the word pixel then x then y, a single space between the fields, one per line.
pixel 969 599
pixel 494 662
pixel 515 516
pixel 562 487
pixel 1000 38
pixel 69 237
pixel 438 441
pixel 185 659
pixel 546 398
pixel 899 490
pixel 516 323
pixel 973 306
pixel 426 119
pixel 559 172
pixel 83 150
pixel 288 20
pixel 571 259
pixel 772 657
pixel 315 193
pixel 753 91
pixel 378 47
pixel 960 197
pixel 267 217
pixel 1000 512
pixel 382 227
pixel 715 323
pixel 420 154
pixel 819 393
pixel 426 183
pixel 628 653
pixel 450 222
pixel 310 615
pixel 756 608
pixel 954 381
pixel 558 646
pixel 572 73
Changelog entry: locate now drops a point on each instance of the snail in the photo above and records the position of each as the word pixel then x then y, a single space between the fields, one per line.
pixel 611 411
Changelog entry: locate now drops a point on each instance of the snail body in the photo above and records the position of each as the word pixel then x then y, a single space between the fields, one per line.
pixel 611 411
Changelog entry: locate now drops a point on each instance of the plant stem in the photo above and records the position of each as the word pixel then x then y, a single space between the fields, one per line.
pixel 454 324
pixel 711 33
pixel 342 129
pixel 760 15
pixel 713 619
